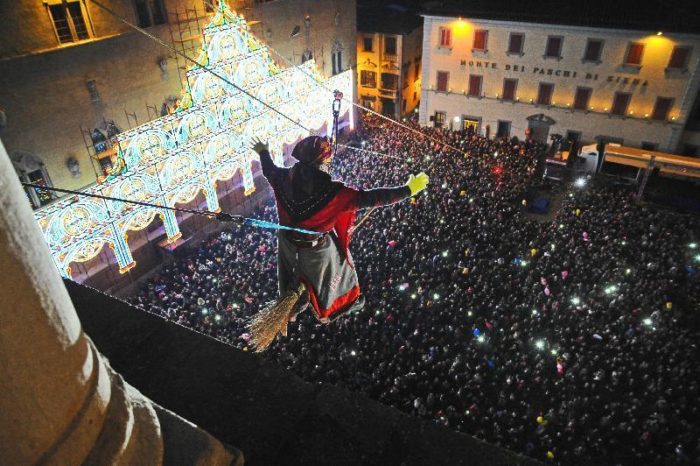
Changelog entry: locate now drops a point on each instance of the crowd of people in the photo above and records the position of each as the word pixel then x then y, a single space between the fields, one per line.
pixel 571 340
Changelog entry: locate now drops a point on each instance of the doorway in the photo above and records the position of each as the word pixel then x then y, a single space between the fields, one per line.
pixel 388 107
pixel 539 127
pixel 471 124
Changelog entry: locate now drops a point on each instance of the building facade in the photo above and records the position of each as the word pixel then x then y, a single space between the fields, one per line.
pixel 389 55
pixel 509 78
pixel 72 74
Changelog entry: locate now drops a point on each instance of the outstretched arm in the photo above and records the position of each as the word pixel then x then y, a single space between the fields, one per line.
pixel 382 196
pixel 386 196
pixel 269 168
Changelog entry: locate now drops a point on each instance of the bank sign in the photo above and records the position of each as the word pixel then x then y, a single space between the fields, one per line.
pixel 617 79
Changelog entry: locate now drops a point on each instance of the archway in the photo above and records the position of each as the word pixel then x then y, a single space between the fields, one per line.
pixel 539 126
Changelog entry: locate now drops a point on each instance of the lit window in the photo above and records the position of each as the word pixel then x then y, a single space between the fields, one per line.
pixel 594 49
pixel 445 37
pixel 544 94
pixel 443 78
pixel 679 58
pixel 634 54
pixel 480 39
pixel 662 107
pixel 553 49
pixel 515 43
pixel 69 22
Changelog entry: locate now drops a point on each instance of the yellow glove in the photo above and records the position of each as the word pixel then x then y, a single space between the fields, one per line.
pixel 417 183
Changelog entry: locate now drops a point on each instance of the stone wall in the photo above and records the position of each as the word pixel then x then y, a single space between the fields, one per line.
pixel 273 416
pixel 43 85
pixel 606 77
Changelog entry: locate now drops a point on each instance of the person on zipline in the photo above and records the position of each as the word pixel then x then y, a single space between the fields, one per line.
pixel 316 269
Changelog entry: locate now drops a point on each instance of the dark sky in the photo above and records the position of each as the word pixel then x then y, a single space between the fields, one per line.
pixel 679 15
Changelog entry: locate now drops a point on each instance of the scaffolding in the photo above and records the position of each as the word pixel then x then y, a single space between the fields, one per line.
pixel 185 26
pixel 187 23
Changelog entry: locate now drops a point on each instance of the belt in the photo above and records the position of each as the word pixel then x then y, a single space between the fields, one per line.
pixel 305 241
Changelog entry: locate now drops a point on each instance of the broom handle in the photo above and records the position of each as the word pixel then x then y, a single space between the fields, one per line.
pixel 362 220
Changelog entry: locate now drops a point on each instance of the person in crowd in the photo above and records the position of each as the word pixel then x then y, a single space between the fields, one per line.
pixel 573 340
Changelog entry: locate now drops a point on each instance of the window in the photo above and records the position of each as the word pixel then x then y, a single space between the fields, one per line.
pixel 634 54
pixel 594 49
pixel 417 71
pixel 306 56
pixel 621 102
pixel 679 58
pixel 68 22
pixel 445 37
pixel 475 81
pixel 515 43
pixel 443 78
pixel 439 119
pixel 149 12
pixel 368 101
pixel 544 94
pixel 480 39
pixel 553 49
pixel 509 87
pixel 390 81
pixel 582 98
pixel 337 58
pixel 368 44
pixel 390 45
pixel 368 78
pixel 649 145
pixel 503 129
pixel 661 108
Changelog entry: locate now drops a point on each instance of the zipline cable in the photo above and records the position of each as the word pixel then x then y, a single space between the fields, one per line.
pixel 221 216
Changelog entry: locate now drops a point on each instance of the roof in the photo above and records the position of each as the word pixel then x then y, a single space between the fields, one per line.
pixel 652 15
pixel 667 163
pixel 387 20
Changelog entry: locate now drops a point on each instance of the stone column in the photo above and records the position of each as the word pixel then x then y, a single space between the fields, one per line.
pixel 61 402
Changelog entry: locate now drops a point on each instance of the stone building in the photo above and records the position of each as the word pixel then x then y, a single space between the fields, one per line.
pixel 72 74
pixel 613 79
pixel 389 48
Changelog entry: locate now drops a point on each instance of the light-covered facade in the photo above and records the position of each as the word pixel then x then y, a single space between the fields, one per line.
pixel 587 84
pixel 70 70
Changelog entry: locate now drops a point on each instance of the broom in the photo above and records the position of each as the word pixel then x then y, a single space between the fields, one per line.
pixel 265 325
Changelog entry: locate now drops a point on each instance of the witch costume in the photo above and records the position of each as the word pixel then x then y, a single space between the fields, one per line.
pixel 320 266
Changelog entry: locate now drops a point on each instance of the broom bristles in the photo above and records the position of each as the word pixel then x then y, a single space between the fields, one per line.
pixel 266 324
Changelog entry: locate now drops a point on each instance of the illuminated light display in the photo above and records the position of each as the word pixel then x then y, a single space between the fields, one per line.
pixel 171 160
